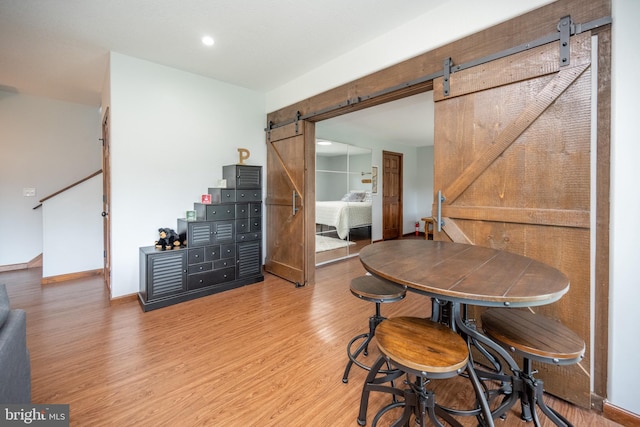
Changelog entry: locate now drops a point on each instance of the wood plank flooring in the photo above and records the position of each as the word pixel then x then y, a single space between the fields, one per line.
pixel 266 354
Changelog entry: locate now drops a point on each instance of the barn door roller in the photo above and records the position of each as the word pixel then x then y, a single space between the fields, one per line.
pixel 445 77
pixel 566 28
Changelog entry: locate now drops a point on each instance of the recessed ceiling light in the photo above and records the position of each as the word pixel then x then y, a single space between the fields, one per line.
pixel 323 142
pixel 208 41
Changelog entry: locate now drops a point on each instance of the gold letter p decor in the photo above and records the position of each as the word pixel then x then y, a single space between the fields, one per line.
pixel 244 155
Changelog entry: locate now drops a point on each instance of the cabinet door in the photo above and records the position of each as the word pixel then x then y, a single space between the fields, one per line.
pixel 166 274
pixel 223 232
pixel 200 234
pixel 249 256
pixel 242 176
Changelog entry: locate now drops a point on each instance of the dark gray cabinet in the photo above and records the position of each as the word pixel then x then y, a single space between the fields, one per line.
pixel 162 273
pixel 223 245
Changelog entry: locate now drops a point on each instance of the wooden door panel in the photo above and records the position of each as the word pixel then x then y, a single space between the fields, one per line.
pixel 391 195
pixel 512 158
pixel 287 251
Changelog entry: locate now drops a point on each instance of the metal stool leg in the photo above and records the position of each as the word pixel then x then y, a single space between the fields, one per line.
pixel 363 348
pixel 375 383
pixel 534 396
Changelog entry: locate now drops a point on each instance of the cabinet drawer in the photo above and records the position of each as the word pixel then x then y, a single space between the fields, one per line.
pixel 219 212
pixel 255 224
pixel 242 225
pixel 224 263
pixel 255 209
pixel 247 237
pixel 195 256
pixel 210 278
pixel 224 275
pixel 200 280
pixel 222 195
pixel 242 210
pixel 199 268
pixel 212 252
pixel 249 195
pixel 227 251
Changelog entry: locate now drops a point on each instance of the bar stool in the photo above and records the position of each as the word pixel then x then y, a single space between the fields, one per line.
pixel 419 347
pixel 372 289
pixel 534 337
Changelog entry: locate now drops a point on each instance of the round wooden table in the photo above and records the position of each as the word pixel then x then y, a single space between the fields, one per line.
pixel 459 274
pixel 465 273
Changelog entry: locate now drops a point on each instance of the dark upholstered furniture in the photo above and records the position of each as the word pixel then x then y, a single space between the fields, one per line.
pixel 15 365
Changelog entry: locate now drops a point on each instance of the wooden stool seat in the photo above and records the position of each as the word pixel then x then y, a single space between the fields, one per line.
pixel 421 346
pixel 370 288
pixel 418 347
pixel 533 335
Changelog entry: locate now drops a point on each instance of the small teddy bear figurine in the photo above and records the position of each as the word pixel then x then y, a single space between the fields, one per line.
pixel 169 239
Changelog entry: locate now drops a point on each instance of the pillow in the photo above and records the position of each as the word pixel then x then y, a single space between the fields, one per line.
pixel 4 305
pixel 354 196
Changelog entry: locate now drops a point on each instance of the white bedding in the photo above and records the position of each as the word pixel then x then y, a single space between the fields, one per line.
pixel 343 215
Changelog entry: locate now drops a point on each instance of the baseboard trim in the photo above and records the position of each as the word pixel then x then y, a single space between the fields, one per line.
pixel 13 267
pixel 620 416
pixel 36 262
pixel 71 276
pixel 124 299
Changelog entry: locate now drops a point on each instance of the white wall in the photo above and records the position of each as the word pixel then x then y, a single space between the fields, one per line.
pixel 423 34
pixel 171 133
pixel 624 345
pixel 426 33
pixel 47 145
pixel 72 230
pixel 425 180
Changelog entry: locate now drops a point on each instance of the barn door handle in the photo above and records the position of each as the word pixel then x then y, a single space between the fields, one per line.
pixel 439 220
pixel 293 204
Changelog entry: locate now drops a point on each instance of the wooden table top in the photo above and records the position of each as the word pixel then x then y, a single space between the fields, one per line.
pixel 465 273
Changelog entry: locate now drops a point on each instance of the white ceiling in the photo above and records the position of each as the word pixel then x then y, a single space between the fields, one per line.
pixel 59 48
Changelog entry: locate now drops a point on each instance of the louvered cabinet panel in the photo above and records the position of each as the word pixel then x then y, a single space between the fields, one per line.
pixel 163 273
pixel 249 259
pixel 242 176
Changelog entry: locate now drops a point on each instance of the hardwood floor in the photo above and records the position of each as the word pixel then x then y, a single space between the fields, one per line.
pixel 267 354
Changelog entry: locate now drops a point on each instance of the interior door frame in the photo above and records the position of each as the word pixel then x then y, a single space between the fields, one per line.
pixel 407 78
pixel 106 198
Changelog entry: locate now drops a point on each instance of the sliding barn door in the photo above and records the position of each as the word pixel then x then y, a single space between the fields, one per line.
pixel 512 159
pixel 290 203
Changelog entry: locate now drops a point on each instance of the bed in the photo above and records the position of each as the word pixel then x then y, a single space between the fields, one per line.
pixel 343 215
